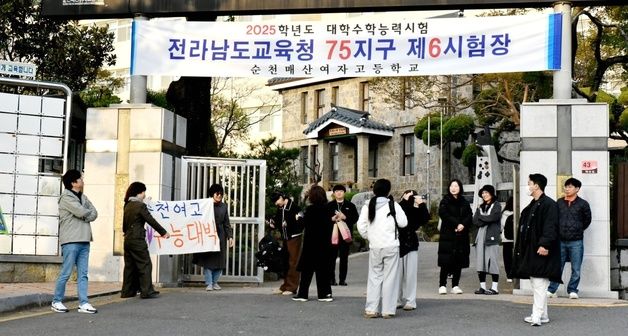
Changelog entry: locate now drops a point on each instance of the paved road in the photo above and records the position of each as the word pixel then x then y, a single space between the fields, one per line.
pixel 254 311
pixel 196 312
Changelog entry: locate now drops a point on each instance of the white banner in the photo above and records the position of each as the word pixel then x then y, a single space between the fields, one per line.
pixel 365 46
pixel 191 226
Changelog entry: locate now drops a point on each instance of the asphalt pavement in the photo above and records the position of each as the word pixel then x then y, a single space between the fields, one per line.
pixel 253 309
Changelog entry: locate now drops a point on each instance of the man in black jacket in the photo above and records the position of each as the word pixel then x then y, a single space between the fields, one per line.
pixel 291 230
pixel 574 216
pixel 341 210
pixel 537 250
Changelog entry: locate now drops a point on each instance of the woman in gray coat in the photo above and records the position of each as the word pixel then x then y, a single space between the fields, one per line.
pixel 487 219
pixel 214 263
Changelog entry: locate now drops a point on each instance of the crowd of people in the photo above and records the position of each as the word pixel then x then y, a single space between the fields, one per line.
pixel 549 234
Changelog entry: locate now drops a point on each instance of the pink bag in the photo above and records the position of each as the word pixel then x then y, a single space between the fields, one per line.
pixel 334 235
pixel 344 231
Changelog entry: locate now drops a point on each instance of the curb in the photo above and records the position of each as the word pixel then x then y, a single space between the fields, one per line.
pixel 28 301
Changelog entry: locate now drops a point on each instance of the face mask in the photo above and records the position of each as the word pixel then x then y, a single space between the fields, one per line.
pixel 529 191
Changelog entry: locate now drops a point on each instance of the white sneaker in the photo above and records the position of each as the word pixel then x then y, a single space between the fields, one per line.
pixel 216 287
pixel 59 307
pixel 287 293
pixel 442 290
pixel 528 319
pixel 209 288
pixel 87 309
pixel 573 295
pixel 551 295
pixel 408 307
pixel 456 290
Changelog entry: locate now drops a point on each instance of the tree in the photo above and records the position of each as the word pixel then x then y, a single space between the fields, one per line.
pixel 63 51
pixel 602 57
pixel 231 118
pixel 281 173
pixel 158 98
pixel 101 92
pixel 191 99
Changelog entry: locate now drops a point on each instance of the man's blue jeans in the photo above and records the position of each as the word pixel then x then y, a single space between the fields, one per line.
pixel 73 254
pixel 572 251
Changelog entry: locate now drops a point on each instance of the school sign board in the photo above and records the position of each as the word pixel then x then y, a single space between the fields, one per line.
pixel 360 47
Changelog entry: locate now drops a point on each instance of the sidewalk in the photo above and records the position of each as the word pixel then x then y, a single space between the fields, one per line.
pixel 18 296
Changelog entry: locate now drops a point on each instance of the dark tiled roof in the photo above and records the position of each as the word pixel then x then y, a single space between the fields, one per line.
pixel 281 80
pixel 349 116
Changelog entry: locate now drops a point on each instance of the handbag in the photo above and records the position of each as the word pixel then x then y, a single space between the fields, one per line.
pixel 344 231
pixel 334 235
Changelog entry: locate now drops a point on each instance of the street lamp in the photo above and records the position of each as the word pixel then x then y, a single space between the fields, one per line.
pixel 427 185
pixel 442 102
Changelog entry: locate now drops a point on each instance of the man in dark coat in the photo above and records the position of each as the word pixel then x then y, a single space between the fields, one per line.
pixel 291 231
pixel 341 210
pixel 537 249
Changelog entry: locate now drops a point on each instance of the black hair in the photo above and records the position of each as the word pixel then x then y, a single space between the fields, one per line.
pixel 69 177
pixel 133 190
pixel 414 193
pixel 216 188
pixel 381 188
pixel 539 180
pixel 573 182
pixel 459 185
pixel 275 195
pixel 339 187
pixel 509 204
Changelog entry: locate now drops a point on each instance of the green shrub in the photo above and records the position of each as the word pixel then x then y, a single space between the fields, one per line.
pixel 458 128
pixel 469 155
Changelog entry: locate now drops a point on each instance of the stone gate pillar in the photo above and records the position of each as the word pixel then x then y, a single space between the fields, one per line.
pixel 569 138
pixel 127 143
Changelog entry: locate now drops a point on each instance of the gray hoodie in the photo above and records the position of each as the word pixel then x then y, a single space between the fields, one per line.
pixel 74 218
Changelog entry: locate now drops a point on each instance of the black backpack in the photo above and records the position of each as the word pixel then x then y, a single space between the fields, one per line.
pixel 269 255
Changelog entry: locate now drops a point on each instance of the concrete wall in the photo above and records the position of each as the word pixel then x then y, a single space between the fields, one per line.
pixel 127 143
pixel 557 137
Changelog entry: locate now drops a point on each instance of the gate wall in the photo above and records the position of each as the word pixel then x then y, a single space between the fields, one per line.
pixel 244 182
pixel 621 199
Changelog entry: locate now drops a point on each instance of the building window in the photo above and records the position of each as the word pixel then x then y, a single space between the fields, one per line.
pixel 373 161
pixel 408 154
pixel 304 107
pixel 334 95
pixel 123 33
pixel 333 152
pixel 364 96
pixel 320 102
pixel 303 162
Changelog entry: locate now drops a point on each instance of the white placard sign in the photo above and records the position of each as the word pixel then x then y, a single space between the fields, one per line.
pixel 190 223
pixel 18 69
pixel 365 46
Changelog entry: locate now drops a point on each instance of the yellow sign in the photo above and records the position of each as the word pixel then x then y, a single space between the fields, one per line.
pixel 337 131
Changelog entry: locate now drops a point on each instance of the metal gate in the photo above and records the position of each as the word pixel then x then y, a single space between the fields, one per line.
pixel 244 182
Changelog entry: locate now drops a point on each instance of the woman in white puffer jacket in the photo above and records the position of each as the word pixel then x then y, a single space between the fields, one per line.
pixel 378 223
